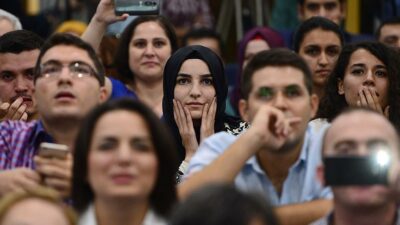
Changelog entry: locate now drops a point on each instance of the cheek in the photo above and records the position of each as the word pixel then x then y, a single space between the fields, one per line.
pixel 209 93
pixel 97 167
pixel 180 92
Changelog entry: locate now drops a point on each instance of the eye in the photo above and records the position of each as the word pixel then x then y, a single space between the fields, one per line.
pixel 80 69
pixel 333 51
pixel 29 74
pixel 381 73
pixel 51 69
pixel 7 76
pixel 207 81
pixel 312 51
pixel 139 44
pixel 312 7
pixel 107 145
pixel 292 92
pixel 141 145
pixel 182 81
pixel 357 71
pixel 159 43
pixel 265 93
pixel 330 6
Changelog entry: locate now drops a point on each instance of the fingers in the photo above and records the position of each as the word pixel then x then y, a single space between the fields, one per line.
pixel 53 167
pixel 13 111
pixel 369 98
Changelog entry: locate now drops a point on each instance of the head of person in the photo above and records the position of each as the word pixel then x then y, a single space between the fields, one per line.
pixel 206 37
pixel 194 75
pixel 39 206
pixel 362 67
pixel 389 32
pixel 223 204
pixel 69 79
pixel 8 22
pixel 74 27
pixel 319 41
pixel 334 10
pixel 18 54
pixel 358 132
pixel 279 78
pixel 124 153
pixel 144 47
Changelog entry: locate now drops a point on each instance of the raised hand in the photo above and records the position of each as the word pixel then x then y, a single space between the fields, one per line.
pixel 56 173
pixel 208 119
pixel 105 13
pixel 184 122
pixel 13 111
pixel 369 98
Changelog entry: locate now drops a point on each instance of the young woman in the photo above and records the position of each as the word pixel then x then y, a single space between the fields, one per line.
pixel 124 166
pixel 195 92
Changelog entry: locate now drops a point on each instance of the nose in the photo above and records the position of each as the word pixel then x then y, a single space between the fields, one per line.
pixel 123 154
pixel 369 79
pixel 280 101
pixel 21 84
pixel 322 12
pixel 323 59
pixel 65 76
pixel 149 51
pixel 195 90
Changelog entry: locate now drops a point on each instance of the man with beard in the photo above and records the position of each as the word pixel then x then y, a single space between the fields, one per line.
pixel 279 154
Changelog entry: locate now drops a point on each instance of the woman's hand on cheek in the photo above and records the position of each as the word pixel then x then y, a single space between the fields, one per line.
pixel 184 122
pixel 208 119
pixel 369 98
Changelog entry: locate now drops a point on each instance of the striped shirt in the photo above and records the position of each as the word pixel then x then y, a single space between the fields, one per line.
pixel 19 142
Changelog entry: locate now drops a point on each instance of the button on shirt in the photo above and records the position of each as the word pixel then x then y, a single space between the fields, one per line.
pixel 301 183
pixel 19 142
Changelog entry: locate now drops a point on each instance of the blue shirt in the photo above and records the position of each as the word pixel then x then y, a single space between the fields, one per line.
pixel 119 90
pixel 300 185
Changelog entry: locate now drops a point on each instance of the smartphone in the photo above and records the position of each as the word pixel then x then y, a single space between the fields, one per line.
pixel 51 150
pixel 137 7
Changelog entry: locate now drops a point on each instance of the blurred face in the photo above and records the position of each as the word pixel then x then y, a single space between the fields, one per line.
pixel 194 86
pixel 320 49
pixel 284 89
pixel 64 93
pixel 16 77
pixel 210 43
pixel 35 212
pixel 351 135
pixel 330 9
pixel 122 162
pixel 364 73
pixel 390 35
pixel 252 48
pixel 5 26
pixel 149 50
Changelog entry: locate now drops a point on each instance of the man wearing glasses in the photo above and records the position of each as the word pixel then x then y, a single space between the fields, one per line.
pixel 69 82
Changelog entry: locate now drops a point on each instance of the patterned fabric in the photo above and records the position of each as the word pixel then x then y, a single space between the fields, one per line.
pixel 19 142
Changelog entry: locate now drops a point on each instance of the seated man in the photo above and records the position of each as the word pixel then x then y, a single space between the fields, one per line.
pixel 18 54
pixel 355 135
pixel 389 32
pixel 279 154
pixel 69 82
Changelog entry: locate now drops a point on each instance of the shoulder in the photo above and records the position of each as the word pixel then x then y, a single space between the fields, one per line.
pixel 152 218
pixel 16 127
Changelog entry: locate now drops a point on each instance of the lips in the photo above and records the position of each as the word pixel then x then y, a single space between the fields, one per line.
pixel 194 104
pixel 150 63
pixel 64 95
pixel 323 72
pixel 122 178
pixel 25 98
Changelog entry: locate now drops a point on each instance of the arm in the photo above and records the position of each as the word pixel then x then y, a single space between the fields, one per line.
pixel 19 179
pixel 303 213
pixel 104 16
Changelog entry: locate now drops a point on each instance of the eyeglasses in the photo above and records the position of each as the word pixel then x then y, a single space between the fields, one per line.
pixel 52 70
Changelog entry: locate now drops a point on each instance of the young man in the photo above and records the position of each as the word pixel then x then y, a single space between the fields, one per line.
pixel 389 32
pixel 206 37
pixel 18 54
pixel 278 155
pixel 69 82
pixel 355 134
pixel 319 41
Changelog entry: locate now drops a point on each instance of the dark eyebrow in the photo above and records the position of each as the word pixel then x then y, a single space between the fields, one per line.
pixel 345 142
pixel 189 75
pixel 291 86
pixel 358 64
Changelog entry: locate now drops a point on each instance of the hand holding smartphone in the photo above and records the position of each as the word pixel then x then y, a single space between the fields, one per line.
pixel 51 150
pixel 137 7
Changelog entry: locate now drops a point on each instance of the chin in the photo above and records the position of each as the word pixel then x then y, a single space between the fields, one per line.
pixel 196 115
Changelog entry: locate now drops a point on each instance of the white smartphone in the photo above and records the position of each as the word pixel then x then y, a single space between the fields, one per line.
pixel 51 150
pixel 137 7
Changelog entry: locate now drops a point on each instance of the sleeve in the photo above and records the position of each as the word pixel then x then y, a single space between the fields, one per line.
pixel 5 138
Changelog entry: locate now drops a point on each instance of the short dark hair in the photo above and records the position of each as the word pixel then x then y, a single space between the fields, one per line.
pixel 19 41
pixel 70 40
pixel 301 2
pixel 314 23
pixel 121 59
pixel 204 32
pixel 278 57
pixel 333 103
pixel 390 21
pixel 163 195
pixel 223 204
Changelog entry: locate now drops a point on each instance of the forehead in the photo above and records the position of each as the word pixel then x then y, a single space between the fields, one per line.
pixel 66 54
pixel 150 28
pixel 20 61
pixel 390 28
pixel 360 127
pixel 363 56
pixel 320 1
pixel 256 46
pixel 197 66
pixel 320 37
pixel 277 77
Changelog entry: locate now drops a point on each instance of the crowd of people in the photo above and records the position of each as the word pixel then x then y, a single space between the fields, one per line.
pixel 158 130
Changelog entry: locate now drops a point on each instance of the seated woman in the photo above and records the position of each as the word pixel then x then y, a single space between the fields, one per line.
pixel 38 205
pixel 366 74
pixel 124 166
pixel 195 92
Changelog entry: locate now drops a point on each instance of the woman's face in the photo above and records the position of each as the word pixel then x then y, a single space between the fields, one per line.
pixel 364 75
pixel 122 161
pixel 194 86
pixel 149 49
pixel 252 48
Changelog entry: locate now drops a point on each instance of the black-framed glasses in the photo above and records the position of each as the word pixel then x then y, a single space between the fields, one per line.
pixel 78 69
